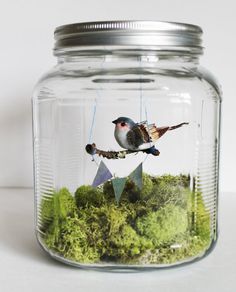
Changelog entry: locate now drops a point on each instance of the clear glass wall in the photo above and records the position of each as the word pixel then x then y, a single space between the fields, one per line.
pixel 142 210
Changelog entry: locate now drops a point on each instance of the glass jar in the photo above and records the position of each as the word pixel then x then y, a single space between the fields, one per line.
pixel 126 146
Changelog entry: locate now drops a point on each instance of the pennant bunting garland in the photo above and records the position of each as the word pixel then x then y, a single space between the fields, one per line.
pixel 103 174
pixel 118 186
pixel 136 176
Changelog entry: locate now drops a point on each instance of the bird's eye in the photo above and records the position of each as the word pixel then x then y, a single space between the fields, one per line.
pixel 122 124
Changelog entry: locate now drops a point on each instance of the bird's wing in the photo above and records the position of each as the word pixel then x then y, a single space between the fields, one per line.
pixel 143 133
pixel 156 132
pixel 138 135
pixel 153 132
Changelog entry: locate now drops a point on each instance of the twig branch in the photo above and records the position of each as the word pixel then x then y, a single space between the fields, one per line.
pixel 92 150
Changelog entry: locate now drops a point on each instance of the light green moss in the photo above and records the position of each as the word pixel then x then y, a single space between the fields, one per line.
pixel 72 242
pixel 163 223
pixel 46 212
pixel 127 243
pixel 164 226
pixel 60 205
pixel 170 189
pixel 64 204
pixel 201 222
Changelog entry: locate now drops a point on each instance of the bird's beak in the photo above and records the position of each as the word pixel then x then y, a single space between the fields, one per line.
pixel 114 122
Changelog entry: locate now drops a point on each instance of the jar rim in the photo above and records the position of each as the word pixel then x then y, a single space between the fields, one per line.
pixel 161 35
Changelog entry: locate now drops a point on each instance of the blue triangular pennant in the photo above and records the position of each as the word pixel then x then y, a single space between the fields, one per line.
pixel 136 176
pixel 103 174
pixel 118 184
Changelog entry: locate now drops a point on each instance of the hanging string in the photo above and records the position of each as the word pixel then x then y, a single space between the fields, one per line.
pixel 94 115
pixel 92 127
pixel 141 104
pixel 146 117
pixel 140 91
pixel 93 120
pixel 141 99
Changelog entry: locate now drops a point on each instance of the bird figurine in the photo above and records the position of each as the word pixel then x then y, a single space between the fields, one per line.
pixel 140 136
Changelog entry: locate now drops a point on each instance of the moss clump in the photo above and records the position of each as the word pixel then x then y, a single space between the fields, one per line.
pixel 164 226
pixel 46 212
pixel 88 196
pixel 57 207
pixel 70 239
pixel 64 204
pixel 67 234
pixel 161 224
pixel 126 244
pixel 147 187
pixel 171 189
pixel 202 218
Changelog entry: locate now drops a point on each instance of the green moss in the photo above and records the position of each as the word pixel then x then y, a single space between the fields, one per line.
pixel 126 244
pixel 60 205
pixel 46 212
pixel 161 224
pixel 201 222
pixel 170 189
pixel 164 226
pixel 147 187
pixel 87 195
pixel 72 242
pixel 108 191
pixel 64 204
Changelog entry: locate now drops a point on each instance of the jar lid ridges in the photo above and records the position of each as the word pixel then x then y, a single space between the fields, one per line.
pixel 128 33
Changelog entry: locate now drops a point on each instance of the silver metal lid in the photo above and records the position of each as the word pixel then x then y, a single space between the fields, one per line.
pixel 158 34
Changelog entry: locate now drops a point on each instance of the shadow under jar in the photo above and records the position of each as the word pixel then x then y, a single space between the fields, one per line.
pixel 126 147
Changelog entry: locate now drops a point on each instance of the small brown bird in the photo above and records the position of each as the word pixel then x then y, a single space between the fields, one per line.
pixel 140 136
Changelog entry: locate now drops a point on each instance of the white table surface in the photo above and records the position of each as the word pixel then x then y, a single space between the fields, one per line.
pixel 25 267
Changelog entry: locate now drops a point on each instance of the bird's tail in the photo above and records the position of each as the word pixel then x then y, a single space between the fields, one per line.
pixel 157 132
pixel 177 126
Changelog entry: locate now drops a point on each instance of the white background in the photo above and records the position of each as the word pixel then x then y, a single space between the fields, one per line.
pixel 26 41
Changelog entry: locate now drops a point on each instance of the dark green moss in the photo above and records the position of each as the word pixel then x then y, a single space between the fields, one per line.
pixel 88 196
pixel 161 224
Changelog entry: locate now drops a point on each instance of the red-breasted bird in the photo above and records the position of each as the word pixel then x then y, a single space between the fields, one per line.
pixel 139 136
